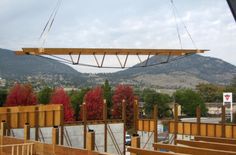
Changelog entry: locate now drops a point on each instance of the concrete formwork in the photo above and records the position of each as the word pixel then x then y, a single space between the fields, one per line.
pixel 74 136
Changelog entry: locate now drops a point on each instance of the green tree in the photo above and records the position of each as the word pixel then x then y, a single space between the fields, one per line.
pixel 231 88
pixel 107 94
pixel 233 82
pixel 44 95
pixel 77 98
pixel 189 100
pixel 3 96
pixel 152 98
pixel 210 92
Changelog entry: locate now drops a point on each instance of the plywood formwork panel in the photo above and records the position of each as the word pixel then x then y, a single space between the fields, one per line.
pixel 203 129
pixel 194 129
pixel 228 131
pixel 218 130
pixel 180 128
pixel 3 114
pixel 234 131
pixel 171 127
pixel 211 130
pixel 187 128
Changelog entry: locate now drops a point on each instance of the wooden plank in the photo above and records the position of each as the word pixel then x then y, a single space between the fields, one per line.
pixel 105 124
pixel 203 129
pixel 195 129
pixel 3 114
pixel 198 114
pixel 146 125
pixel 176 121
pixel 217 140
pixel 140 125
pixel 171 127
pixel 223 120
pixel 192 150
pixel 107 51
pixel 211 130
pixel 139 151
pixel 187 128
pixel 228 131
pixel 218 130
pixel 209 145
pixel 180 127
pixel 234 131
pixel 155 123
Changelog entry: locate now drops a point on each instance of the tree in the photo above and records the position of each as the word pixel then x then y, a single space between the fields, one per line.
pixel 210 92
pixel 21 94
pixel 77 98
pixel 44 95
pixel 3 96
pixel 189 100
pixel 107 94
pixel 232 88
pixel 233 82
pixel 94 103
pixel 123 92
pixel 59 96
pixel 162 101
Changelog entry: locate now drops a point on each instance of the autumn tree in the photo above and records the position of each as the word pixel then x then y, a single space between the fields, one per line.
pixel 21 94
pixel 59 96
pixel 123 92
pixel 44 95
pixel 77 98
pixel 94 103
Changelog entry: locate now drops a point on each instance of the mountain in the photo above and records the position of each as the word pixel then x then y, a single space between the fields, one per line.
pixel 186 72
pixel 37 69
pixel 182 73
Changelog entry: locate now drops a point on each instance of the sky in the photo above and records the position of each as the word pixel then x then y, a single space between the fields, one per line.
pixel 120 24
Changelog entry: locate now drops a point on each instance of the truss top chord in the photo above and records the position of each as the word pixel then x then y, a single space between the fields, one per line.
pixel 107 51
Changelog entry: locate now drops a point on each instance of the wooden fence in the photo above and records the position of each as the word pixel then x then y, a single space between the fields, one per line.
pixel 206 129
pixel 36 116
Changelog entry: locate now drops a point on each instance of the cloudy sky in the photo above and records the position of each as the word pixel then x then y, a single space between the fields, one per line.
pixel 120 24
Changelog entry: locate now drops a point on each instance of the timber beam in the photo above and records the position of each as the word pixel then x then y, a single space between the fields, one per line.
pixel 192 150
pixel 107 51
pixel 216 140
pixel 208 145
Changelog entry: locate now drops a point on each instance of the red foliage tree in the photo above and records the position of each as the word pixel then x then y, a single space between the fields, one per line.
pixel 123 92
pixel 94 103
pixel 59 96
pixel 21 94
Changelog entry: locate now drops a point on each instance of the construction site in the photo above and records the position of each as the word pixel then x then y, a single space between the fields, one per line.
pixel 127 123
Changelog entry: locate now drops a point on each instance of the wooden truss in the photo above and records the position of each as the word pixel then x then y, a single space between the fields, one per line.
pixel 109 52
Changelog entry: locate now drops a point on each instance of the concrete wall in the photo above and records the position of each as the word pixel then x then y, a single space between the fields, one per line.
pixel 76 134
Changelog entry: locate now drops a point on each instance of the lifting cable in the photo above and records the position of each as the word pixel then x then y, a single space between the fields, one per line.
pixel 177 26
pixel 49 23
pixel 48 26
pixel 175 12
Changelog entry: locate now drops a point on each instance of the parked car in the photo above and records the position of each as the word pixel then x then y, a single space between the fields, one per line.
pixel 127 140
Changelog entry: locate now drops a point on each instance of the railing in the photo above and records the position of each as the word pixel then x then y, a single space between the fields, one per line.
pixel 17 149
